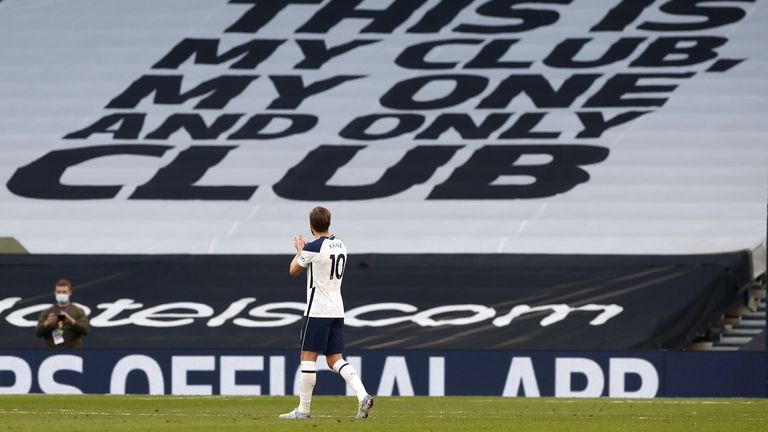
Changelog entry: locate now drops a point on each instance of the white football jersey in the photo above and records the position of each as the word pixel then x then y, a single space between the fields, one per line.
pixel 325 260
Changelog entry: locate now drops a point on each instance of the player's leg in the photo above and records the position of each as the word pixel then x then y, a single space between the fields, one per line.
pixel 351 376
pixel 336 362
pixel 307 380
pixel 313 340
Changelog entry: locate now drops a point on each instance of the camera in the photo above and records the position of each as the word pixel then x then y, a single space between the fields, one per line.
pixel 61 317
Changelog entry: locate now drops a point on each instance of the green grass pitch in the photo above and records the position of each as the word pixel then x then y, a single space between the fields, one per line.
pixel 466 414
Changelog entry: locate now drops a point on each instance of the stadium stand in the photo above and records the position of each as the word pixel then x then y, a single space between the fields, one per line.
pixel 741 327
pixel 687 177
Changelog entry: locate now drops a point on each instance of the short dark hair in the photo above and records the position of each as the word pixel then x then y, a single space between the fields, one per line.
pixel 320 219
pixel 63 283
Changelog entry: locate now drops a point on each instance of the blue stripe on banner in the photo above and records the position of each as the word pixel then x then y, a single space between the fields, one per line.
pixel 451 373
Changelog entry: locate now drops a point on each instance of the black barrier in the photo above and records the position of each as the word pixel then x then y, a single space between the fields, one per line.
pixel 473 302
pixel 406 373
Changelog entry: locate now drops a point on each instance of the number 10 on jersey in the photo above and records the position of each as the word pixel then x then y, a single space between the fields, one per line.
pixel 337 265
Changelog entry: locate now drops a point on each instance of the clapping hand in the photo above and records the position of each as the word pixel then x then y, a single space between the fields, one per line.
pixel 299 242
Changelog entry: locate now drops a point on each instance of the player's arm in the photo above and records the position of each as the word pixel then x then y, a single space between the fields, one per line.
pixel 296 267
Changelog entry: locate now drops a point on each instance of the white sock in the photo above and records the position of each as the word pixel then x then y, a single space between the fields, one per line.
pixel 350 375
pixel 307 384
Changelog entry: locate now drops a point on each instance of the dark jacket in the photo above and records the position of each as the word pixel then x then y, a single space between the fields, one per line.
pixel 73 334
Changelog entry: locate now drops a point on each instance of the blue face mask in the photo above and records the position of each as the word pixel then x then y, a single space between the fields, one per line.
pixel 62 298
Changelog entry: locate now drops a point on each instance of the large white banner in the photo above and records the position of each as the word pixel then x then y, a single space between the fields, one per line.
pixel 540 126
